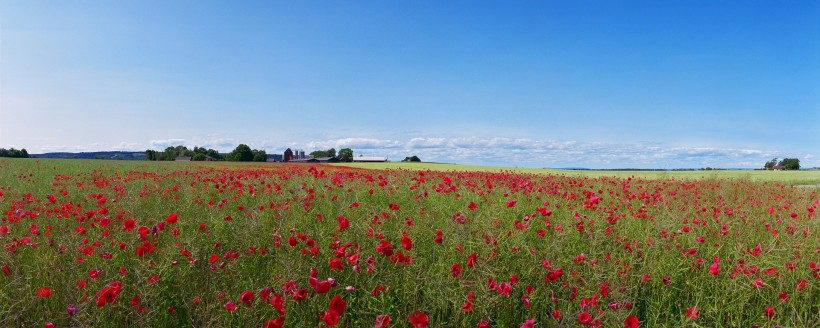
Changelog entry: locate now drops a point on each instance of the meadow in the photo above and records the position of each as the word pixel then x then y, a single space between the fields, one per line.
pixel 802 177
pixel 137 244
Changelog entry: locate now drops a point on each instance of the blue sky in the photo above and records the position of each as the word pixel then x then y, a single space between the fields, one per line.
pixel 600 84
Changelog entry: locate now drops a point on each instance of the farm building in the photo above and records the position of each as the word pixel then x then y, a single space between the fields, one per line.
pixel 323 160
pixel 370 159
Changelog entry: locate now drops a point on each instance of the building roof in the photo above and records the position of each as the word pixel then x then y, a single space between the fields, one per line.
pixel 323 159
pixel 369 159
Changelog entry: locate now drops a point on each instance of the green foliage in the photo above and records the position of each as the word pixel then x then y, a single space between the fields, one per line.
pixel 324 153
pixel 790 163
pixel 171 153
pixel 151 155
pixel 345 155
pixel 413 158
pixel 241 153
pixel 259 156
pixel 770 164
pixel 642 228
pixel 14 153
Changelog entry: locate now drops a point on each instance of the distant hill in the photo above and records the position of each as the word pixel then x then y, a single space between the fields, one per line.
pixel 116 155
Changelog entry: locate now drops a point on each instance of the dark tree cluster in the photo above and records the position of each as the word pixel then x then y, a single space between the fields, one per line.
pixel 324 153
pixel 171 153
pixel 785 164
pixel 345 155
pixel 413 158
pixel 14 153
pixel 244 153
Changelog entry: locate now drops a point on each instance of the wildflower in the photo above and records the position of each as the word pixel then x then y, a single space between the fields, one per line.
pixel 43 292
pixel 418 319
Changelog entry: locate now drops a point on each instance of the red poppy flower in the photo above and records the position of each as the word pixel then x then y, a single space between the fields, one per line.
pixel 322 287
pixel 246 297
pixel 275 323
pixel 43 292
pixel 384 248
pixel 382 320
pixel 553 275
pixel 108 294
pixel 418 319
pixel 528 323
pixel 230 306
pixel 691 313
pixel 714 269
pixel 584 318
pixel 455 270
pixel 128 225
pixel 330 318
pixel 344 223
pixel 504 288
pixel 337 304
pixel 769 311
pixel 335 264
pixel 376 290
pixel 631 321
pixel 406 243
pixel 471 260
pixel 172 218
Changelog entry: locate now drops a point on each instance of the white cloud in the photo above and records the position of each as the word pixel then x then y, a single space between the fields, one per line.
pixel 354 143
pixel 164 143
pixel 125 146
pixel 492 151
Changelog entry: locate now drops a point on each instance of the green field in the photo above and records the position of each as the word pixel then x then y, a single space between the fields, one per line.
pixel 169 244
pixel 803 177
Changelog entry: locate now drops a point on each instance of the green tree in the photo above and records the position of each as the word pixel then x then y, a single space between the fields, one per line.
pixel 318 153
pixel 198 157
pixel 413 158
pixel 183 151
pixel 213 153
pixel 770 164
pixel 259 156
pixel 14 153
pixel 169 154
pixel 323 153
pixel 345 155
pixel 790 163
pixel 241 153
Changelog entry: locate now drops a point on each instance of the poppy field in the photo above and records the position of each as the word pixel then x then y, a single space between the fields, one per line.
pixel 138 244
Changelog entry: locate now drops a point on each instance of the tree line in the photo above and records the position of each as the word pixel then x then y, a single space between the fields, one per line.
pixel 785 164
pixel 14 153
pixel 241 153
pixel 344 155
